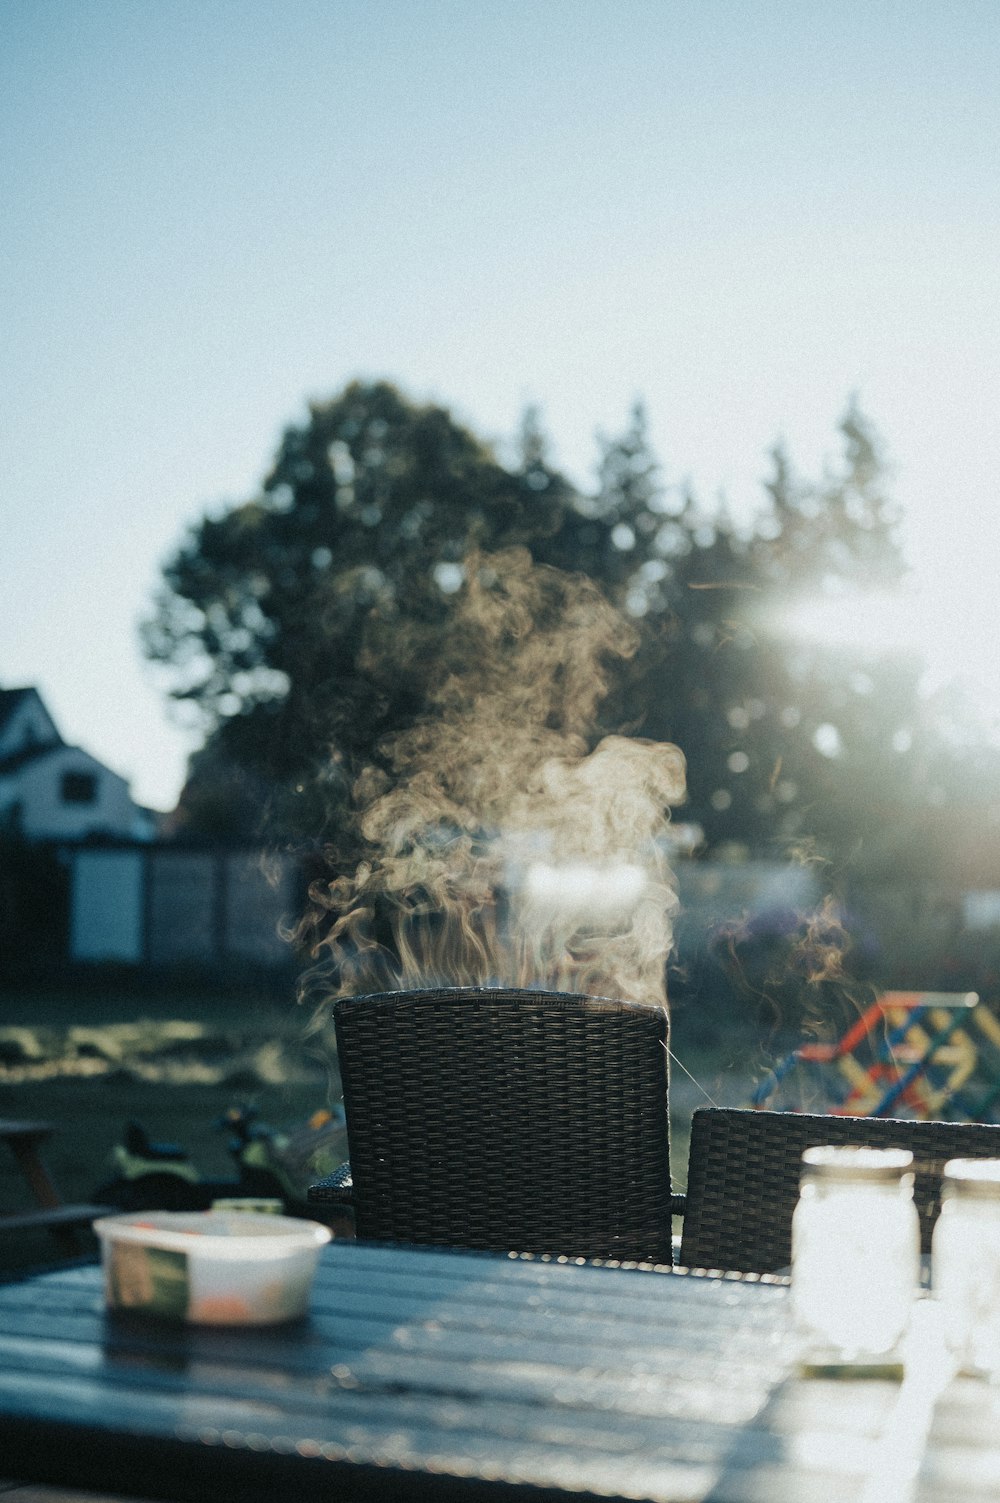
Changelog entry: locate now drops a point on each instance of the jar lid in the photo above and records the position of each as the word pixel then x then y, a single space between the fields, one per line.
pixel 977 1177
pixel 867 1165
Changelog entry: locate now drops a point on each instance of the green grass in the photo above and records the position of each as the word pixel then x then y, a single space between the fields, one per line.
pixel 87 1060
pixel 107 997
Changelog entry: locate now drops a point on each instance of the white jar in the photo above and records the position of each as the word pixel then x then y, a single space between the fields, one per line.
pixel 855 1256
pixel 965 1263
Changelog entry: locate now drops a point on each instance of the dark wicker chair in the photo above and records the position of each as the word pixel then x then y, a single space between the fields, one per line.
pixel 507 1120
pixel 743 1177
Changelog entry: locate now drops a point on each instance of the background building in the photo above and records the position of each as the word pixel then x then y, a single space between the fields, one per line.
pixel 52 791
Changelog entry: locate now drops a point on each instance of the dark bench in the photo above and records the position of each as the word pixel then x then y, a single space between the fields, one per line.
pixel 64 1221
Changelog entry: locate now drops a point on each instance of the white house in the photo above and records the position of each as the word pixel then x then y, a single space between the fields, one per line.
pixel 51 791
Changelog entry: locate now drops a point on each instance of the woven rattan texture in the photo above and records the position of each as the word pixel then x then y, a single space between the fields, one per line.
pixel 508 1120
pixel 744 1168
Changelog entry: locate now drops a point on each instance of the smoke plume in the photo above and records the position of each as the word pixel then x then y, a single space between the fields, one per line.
pixel 506 840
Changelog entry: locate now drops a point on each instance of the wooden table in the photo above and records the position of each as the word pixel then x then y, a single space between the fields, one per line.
pixel 443 1376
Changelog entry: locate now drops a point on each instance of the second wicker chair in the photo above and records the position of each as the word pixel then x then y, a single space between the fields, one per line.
pixel 508 1120
pixel 744 1168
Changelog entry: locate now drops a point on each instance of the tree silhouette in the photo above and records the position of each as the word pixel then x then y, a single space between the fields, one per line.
pixel 302 624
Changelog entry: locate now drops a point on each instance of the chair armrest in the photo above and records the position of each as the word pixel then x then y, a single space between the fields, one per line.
pixel 678 1205
pixel 337 1189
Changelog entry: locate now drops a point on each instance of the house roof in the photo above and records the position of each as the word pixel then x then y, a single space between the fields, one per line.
pixel 25 755
pixel 9 701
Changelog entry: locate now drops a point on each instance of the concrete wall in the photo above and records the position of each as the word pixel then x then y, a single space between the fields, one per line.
pixel 714 893
pixel 106 906
pixel 165 906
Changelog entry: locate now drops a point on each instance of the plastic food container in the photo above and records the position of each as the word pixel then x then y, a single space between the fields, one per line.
pixel 233 1268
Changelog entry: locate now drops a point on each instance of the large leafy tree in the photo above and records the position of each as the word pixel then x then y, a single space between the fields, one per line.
pixel 788 739
pixel 303 624
pixel 300 624
pixel 785 735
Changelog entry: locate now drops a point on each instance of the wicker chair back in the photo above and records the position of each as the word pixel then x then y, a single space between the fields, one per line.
pixel 743 1177
pixel 508 1120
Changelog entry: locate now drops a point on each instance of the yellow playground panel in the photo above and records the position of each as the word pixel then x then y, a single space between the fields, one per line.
pixel 933 1055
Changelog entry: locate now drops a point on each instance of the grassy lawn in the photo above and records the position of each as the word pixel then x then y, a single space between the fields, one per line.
pixel 89 1060
pixel 102 1000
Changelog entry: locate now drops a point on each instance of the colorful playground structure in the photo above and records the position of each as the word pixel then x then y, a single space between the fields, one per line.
pixel 929 1055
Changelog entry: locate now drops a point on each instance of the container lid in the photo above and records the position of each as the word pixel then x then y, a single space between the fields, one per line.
pixel 975 1177
pixel 229 1235
pixel 861 1165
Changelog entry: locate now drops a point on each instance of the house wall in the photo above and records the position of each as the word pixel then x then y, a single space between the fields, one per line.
pixel 45 815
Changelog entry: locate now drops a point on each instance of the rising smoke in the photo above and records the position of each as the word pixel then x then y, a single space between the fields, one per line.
pixel 506 841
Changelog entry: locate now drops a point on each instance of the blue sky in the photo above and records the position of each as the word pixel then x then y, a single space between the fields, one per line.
pixel 742 212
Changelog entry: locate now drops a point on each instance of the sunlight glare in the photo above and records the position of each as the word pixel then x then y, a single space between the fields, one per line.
pixel 956 640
